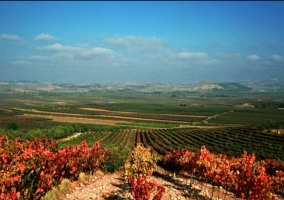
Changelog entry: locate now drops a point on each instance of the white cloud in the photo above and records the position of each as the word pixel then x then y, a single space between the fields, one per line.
pixel 97 51
pixel 39 58
pixel 134 43
pixel 45 37
pixel 100 51
pixel 59 47
pixel 276 57
pixel 253 57
pixel 9 37
pixel 71 52
pixel 21 62
pixel 192 55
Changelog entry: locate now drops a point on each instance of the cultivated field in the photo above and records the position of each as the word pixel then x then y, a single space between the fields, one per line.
pixel 163 118
pixel 137 107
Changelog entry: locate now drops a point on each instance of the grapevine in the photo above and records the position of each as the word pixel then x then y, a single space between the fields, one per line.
pixel 138 170
pixel 28 169
pixel 245 177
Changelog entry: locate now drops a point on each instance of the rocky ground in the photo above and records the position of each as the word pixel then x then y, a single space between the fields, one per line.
pixel 112 186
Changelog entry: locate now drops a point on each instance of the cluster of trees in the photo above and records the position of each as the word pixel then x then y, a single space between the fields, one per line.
pixel 269 104
pixel 56 132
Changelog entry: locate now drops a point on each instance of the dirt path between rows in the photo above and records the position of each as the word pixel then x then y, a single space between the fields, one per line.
pixel 113 186
pixel 211 117
pixel 70 137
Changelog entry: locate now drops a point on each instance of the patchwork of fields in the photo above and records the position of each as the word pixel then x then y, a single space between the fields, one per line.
pixel 166 120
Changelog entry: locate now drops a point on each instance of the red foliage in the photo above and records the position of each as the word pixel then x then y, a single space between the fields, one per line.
pixel 244 176
pixel 138 170
pixel 28 169
pixel 141 189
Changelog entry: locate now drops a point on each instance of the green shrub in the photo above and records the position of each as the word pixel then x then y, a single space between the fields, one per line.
pixel 12 126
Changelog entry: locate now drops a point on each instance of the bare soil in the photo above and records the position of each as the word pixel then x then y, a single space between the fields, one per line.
pixel 94 119
pixel 70 137
pixel 113 186
pixel 76 119
pixel 176 115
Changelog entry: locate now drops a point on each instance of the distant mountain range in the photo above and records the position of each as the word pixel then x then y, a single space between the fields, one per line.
pixel 262 86
pixel 234 87
pixel 273 85
pixel 204 86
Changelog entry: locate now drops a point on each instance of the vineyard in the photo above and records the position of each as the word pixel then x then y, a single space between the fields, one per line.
pixel 223 156
pixel 228 141
pixel 231 141
pixel 180 148
pixel 30 168
pixel 245 177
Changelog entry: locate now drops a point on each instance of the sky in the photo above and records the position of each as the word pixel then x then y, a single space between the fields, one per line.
pixel 141 41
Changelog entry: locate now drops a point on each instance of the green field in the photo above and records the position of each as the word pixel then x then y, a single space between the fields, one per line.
pixel 165 118
pixel 187 108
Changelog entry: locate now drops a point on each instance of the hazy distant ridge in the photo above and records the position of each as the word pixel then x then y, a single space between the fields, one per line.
pixel 204 86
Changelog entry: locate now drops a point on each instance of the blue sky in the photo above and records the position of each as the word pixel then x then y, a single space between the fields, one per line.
pixel 122 42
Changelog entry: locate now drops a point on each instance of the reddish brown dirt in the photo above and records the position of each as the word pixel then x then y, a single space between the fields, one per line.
pixel 93 119
pixel 75 119
pixel 113 186
pixel 176 115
